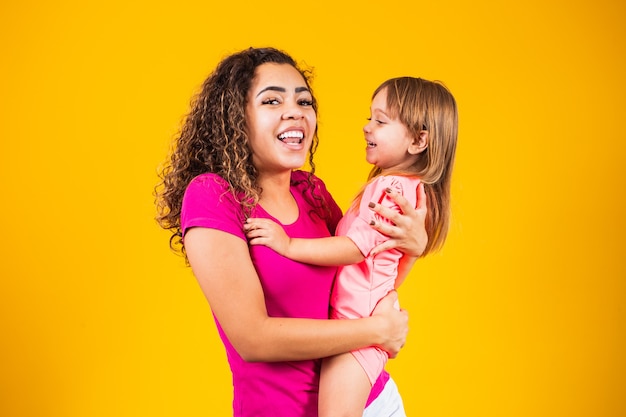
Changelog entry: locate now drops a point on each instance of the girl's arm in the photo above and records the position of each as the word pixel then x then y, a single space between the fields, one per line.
pixel 325 251
pixel 221 263
pixel 404 267
pixel 407 234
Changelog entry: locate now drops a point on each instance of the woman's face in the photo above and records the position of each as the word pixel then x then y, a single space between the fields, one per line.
pixel 281 121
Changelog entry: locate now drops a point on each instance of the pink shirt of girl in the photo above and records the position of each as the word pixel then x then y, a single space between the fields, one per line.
pixel 359 287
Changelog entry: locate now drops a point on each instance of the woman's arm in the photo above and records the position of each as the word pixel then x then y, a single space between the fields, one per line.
pixel 224 270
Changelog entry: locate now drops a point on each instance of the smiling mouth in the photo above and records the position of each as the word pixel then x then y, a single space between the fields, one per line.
pixel 371 145
pixel 291 137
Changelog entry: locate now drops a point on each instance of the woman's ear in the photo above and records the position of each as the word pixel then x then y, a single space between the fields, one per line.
pixel 420 143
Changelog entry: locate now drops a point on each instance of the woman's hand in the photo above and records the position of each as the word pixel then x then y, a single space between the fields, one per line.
pixel 396 324
pixel 407 233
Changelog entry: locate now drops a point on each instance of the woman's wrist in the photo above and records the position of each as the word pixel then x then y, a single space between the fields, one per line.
pixel 378 330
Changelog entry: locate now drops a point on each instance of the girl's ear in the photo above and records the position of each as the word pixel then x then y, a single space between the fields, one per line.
pixel 420 143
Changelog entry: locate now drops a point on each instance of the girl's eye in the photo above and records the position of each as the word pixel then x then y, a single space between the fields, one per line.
pixel 380 122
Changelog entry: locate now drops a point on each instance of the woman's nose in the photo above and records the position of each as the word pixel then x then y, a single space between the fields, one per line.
pixel 293 112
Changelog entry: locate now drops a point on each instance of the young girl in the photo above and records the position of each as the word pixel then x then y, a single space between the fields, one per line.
pixel 411 138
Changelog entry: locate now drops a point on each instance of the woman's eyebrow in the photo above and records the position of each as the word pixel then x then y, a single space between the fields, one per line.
pixel 281 89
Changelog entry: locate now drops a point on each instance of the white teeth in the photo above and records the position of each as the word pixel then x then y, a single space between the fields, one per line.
pixel 371 144
pixel 291 134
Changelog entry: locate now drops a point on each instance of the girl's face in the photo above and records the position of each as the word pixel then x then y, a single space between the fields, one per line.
pixel 390 145
pixel 281 121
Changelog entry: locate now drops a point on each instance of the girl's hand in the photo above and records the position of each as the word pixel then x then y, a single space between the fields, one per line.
pixel 397 324
pixel 267 232
pixel 407 233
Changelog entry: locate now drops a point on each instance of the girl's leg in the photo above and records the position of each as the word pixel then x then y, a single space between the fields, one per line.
pixel 344 387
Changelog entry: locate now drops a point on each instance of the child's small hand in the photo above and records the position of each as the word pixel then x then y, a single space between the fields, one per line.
pixel 268 233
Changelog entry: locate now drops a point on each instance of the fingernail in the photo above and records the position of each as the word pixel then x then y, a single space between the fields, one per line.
pixel 388 190
pixel 371 205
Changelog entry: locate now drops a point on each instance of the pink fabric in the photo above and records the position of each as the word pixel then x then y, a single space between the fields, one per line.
pixel 359 287
pixel 292 289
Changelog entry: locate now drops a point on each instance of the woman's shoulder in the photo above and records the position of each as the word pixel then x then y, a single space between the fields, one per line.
pixel 208 180
pixel 307 182
pixel 299 175
pixel 207 184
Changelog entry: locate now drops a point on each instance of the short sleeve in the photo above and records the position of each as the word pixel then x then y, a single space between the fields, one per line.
pixel 209 203
pixel 360 231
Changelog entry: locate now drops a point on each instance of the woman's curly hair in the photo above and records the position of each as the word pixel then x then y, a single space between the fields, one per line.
pixel 213 138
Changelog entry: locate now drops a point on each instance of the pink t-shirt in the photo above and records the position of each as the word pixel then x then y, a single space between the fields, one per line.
pixel 359 287
pixel 292 289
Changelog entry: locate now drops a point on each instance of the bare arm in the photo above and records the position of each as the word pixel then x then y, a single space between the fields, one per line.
pixel 325 251
pixel 224 270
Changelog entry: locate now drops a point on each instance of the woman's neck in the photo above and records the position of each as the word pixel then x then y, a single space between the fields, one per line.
pixel 274 184
pixel 276 197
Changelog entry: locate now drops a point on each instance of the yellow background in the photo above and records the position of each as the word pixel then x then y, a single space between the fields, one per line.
pixel 521 314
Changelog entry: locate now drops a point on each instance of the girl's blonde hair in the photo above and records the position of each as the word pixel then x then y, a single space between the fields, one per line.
pixel 427 105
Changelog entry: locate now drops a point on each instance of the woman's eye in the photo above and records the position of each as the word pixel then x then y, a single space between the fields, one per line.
pixel 306 102
pixel 270 101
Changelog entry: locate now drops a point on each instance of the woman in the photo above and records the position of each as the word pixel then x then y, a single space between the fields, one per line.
pixel 249 130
